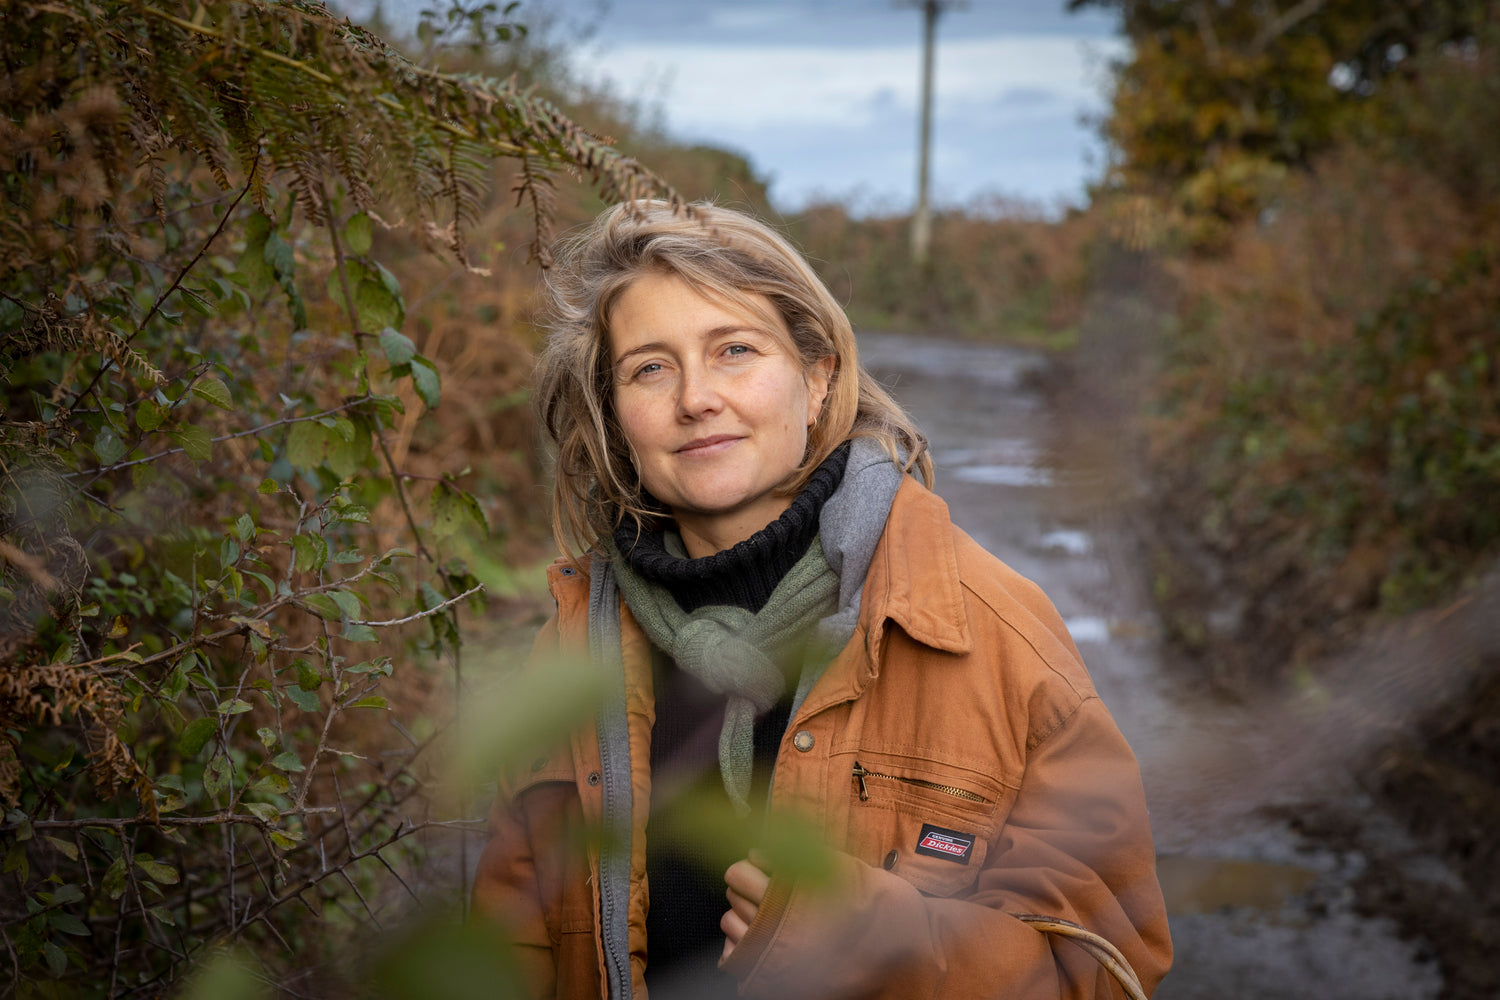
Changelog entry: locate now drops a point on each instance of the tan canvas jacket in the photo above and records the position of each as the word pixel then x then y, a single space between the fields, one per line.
pixel 990 781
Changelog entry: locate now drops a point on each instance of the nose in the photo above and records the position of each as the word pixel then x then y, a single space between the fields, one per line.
pixel 698 394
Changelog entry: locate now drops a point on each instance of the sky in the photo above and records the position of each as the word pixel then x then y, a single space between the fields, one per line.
pixel 822 95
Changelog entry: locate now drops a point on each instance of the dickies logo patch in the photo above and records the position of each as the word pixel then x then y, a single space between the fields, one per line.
pixel 937 842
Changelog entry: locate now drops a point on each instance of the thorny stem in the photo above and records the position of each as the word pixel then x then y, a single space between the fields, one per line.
pixel 181 274
pixel 435 609
pixel 227 437
pixel 384 100
pixel 396 481
pixel 126 822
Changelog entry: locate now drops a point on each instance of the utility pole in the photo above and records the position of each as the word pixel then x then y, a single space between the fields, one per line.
pixel 921 219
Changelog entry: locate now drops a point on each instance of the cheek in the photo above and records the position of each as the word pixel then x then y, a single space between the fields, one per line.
pixel 635 425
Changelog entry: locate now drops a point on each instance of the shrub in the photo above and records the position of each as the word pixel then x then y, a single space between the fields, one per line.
pixel 214 545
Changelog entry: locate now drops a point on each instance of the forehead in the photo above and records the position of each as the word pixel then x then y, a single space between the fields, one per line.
pixel 665 304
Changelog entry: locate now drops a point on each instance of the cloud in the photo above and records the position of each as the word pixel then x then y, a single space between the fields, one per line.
pixel 752 86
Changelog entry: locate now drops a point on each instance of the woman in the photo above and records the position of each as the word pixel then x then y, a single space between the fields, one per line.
pixel 794 629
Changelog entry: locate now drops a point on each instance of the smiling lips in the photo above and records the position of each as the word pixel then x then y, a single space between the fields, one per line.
pixel 706 445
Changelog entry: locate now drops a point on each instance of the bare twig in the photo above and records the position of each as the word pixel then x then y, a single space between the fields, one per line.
pixel 395 875
pixel 284 421
pixel 429 612
pixel 181 274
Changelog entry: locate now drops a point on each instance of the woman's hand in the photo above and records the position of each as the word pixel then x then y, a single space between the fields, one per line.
pixel 747 880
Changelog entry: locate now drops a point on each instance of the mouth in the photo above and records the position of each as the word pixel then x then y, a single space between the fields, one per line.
pixel 706 445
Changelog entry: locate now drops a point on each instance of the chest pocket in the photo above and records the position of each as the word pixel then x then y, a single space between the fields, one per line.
pixel 547 800
pixel 929 822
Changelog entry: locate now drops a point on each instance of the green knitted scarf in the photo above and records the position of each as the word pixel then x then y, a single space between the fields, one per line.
pixel 733 651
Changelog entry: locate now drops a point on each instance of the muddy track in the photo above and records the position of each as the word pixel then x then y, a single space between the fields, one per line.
pixel 1291 850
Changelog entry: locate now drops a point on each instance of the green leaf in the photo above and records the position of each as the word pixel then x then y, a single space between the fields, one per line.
pixel 233 706
pixel 264 811
pixel 284 840
pixel 156 871
pixel 67 893
pixel 108 446
pixel 162 914
pixel 346 455
pixel 305 700
pixel 113 882
pixel 213 390
pixel 306 444
pixel 348 603
pixel 244 527
pixel 425 378
pixel 323 606
pixel 149 415
pixel 68 923
pixel 287 761
pixel 57 959
pixel 359 632
pixel 196 735
pixel 67 849
pixel 278 253
pixel 194 439
pixel 253 271
pixel 267 487
pixel 455 510
pixel 272 784
pixel 378 306
pixel 311 551
pixel 397 346
pixel 308 677
pixel 358 234
pixel 216 775
pixel 373 701
pixel 268 737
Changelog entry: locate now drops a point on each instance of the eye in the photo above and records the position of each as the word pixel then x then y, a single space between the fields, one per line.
pixel 738 350
pixel 649 368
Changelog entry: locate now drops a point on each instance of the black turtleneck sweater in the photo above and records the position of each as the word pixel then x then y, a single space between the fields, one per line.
pixel 686 875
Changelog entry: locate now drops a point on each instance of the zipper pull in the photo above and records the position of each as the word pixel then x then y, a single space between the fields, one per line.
pixel 859 773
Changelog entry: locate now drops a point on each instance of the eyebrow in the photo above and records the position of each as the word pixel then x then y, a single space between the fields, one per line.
pixel 709 334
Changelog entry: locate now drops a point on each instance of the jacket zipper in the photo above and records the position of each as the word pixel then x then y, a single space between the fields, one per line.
pixel 861 774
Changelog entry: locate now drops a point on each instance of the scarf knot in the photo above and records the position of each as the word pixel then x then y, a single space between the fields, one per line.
pixel 734 651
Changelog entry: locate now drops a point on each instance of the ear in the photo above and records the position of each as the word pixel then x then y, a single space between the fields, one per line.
pixel 819 378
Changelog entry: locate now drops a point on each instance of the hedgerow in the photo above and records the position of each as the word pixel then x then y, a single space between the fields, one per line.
pixel 211 553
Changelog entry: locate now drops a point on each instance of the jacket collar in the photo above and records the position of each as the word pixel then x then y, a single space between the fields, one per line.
pixel 913 579
pixel 912 582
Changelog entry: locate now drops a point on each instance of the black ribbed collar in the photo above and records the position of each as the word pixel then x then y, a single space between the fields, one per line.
pixel 744 575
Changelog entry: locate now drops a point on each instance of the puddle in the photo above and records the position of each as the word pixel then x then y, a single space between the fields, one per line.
pixel 1074 543
pixel 1004 475
pixel 1207 885
pixel 1087 629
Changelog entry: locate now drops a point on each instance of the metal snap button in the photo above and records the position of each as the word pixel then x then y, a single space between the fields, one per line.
pixel 538 764
pixel 593 778
pixel 803 740
pixel 890 861
pixel 569 571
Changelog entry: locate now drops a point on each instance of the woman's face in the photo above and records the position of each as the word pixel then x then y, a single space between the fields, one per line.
pixel 714 404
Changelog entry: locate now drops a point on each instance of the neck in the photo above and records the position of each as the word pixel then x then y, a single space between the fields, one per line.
pixel 706 536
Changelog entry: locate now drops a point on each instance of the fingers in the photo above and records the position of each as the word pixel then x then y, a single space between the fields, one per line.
pixel 747 882
pixel 744 908
pixel 734 927
pixel 748 879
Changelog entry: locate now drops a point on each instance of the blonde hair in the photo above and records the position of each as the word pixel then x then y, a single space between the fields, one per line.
pixel 724 255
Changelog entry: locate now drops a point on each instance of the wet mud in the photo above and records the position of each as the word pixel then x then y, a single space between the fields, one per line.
pixel 1293 851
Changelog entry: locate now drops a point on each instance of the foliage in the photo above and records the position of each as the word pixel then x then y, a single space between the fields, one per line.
pixel 213 548
pixel 1218 99
pixel 1329 410
pixel 998 270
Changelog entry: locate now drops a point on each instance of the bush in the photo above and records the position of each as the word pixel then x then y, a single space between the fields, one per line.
pixel 1328 420
pixel 223 524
